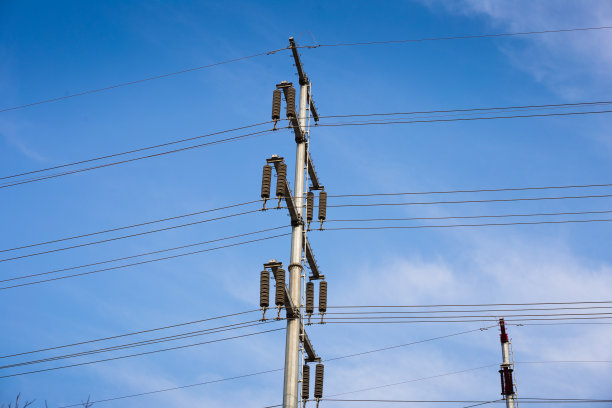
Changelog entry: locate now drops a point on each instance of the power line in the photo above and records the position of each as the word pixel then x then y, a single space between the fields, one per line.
pixel 279 369
pixel 478 110
pixel 481 190
pixel 523 400
pixel 172 326
pixel 142 262
pixel 138 81
pixel 466 311
pixel 226 140
pixel 140 255
pixel 461 119
pixel 485 304
pixel 462 37
pixel 493 200
pixel 477 320
pixel 144 353
pixel 148 342
pixel 108 156
pixel 463 225
pixel 469 216
pixel 129 236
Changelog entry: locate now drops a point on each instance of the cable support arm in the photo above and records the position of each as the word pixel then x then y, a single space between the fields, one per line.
pixel 310 351
pixel 314 179
pixel 312 261
pixel 298 63
pixel 296 219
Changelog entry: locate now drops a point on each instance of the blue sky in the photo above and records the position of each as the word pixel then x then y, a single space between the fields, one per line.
pixel 49 50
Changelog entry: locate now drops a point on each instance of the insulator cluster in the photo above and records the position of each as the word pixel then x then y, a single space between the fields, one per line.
pixel 309 307
pixel 507 385
pixel 279 299
pixel 322 206
pixel 264 289
pixel 276 104
pixel 309 206
pixel 281 177
pixel 305 381
pixel 318 390
pixel 266 180
pixel 290 96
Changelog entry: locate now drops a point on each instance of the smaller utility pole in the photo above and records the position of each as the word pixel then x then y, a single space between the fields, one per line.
pixel 506 368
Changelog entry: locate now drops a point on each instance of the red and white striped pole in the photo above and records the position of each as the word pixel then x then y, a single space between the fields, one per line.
pixel 506 368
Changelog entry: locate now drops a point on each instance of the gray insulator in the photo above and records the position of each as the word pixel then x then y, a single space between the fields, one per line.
pixel 322 205
pixel 309 297
pixel 318 391
pixel 266 179
pixel 323 296
pixel 281 176
pixel 290 95
pixel 280 287
pixel 276 104
pixel 309 205
pixel 305 381
pixel 264 289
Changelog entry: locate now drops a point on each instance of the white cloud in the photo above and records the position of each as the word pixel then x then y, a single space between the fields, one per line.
pixel 573 65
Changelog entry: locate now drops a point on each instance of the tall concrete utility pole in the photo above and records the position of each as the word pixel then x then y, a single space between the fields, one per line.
pixel 292 363
pixel 506 368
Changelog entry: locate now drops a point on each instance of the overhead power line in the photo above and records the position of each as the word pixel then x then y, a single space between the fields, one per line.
pixel 279 369
pixel 140 255
pixel 182 149
pixel 395 122
pixel 270 52
pixel 172 326
pixel 461 37
pixel 129 236
pixel 139 81
pixel 142 262
pixel 144 353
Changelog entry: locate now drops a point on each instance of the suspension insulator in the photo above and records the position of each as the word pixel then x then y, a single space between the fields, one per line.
pixel 264 289
pixel 280 287
pixel 276 104
pixel 323 296
pixel 266 179
pixel 318 391
pixel 309 205
pixel 281 176
pixel 309 297
pixel 290 95
pixel 322 205
pixel 305 381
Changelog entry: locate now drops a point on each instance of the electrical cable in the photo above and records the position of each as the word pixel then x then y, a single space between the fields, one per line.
pixel 477 110
pixel 523 400
pixel 462 37
pixel 341 195
pixel 482 190
pixel 495 200
pixel 140 255
pixel 469 311
pixel 478 320
pixel 483 304
pixel 172 326
pixel 226 140
pixel 129 236
pixel 277 369
pixel 108 156
pixel 463 225
pixel 337 124
pixel 148 342
pixel 143 262
pixel 138 81
pixel 128 226
pixel 469 216
pixel 144 353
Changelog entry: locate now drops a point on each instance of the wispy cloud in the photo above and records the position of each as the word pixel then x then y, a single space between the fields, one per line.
pixel 573 65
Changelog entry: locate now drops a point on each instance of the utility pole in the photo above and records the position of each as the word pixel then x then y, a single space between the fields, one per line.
pixel 506 368
pixel 292 344
pixel 290 298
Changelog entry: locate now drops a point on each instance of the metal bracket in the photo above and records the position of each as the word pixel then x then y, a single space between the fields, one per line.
pixel 310 351
pixel 314 179
pixel 312 261
pixel 296 219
